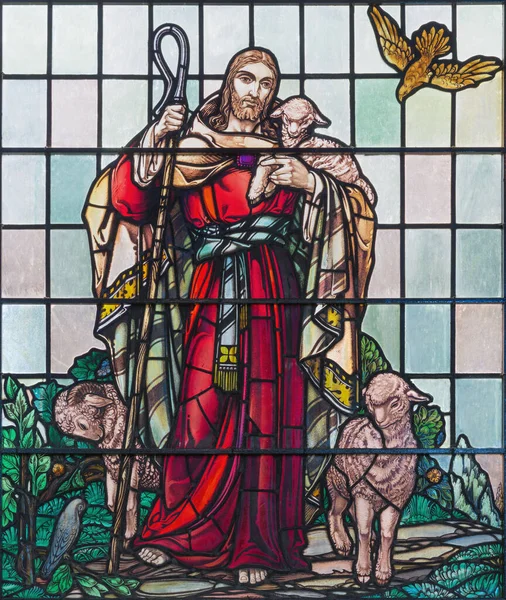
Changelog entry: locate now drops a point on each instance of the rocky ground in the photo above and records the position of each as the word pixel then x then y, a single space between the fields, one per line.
pixel 418 550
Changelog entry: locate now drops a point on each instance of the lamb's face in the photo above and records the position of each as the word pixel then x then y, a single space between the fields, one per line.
pixel 298 117
pixel 393 410
pixel 88 423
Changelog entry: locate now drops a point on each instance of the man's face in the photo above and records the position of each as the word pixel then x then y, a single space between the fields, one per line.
pixel 252 86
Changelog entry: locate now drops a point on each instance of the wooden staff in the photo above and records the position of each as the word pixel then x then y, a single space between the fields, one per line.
pixel 174 94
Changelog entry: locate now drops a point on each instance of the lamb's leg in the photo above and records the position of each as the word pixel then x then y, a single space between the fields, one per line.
pixel 364 513
pixel 111 487
pixel 338 505
pixel 388 524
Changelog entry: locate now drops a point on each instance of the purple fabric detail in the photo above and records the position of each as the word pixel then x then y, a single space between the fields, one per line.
pixel 246 160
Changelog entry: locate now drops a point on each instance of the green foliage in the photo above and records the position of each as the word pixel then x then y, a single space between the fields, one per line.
pixel 94 534
pixel 488 586
pixel 61 582
pixel 44 529
pixel 9 437
pixel 429 426
pixel 372 358
pixel 97 515
pixel 120 585
pixel 9 504
pixel 33 592
pixel 9 589
pixel 52 508
pixel 90 552
pixel 10 540
pixel 44 395
pixel 90 586
pixel 95 365
pixel 22 415
pixel 427 590
pixel 9 572
pixel 10 466
pixel 38 466
pixel 433 482
pixel 453 574
pixel 74 482
pixel 95 494
pixel 12 387
pixel 422 510
pixel 481 552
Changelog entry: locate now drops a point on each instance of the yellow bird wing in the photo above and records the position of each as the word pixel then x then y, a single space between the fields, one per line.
pixel 395 47
pixel 449 75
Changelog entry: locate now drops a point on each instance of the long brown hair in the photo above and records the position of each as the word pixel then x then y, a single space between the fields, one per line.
pixel 219 120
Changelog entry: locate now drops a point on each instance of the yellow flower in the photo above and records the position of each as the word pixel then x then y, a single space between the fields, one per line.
pixel 434 475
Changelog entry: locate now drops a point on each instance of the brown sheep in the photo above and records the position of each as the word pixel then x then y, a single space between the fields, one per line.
pixel 375 483
pixel 95 412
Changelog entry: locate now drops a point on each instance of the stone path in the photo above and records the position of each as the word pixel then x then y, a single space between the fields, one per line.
pixel 418 550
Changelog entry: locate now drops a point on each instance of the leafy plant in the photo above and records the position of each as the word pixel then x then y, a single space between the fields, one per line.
pixel 481 552
pixel 488 586
pixel 429 426
pixel 453 574
pixel 95 365
pixel 372 358
pixel 422 510
pixel 427 590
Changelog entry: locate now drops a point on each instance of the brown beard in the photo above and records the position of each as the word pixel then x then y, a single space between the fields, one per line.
pixel 248 112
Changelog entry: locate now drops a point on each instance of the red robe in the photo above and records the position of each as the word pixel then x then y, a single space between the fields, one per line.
pixel 233 510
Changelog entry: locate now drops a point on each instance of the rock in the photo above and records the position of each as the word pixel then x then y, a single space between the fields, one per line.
pixel 318 542
pixel 427 531
pixel 174 588
pixel 333 567
pixel 296 594
pixel 424 555
pixel 472 491
pixel 472 540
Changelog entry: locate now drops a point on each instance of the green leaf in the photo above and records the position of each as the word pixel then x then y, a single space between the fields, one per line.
pixel 29 419
pixel 94 534
pixel 481 552
pixel 429 426
pixel 488 586
pixel 88 366
pixel 10 466
pixel 9 572
pixel 90 586
pixel 44 529
pixel 453 574
pixel 11 411
pixel 117 585
pixel 372 358
pixel 9 507
pixel 147 499
pixel 27 439
pixel 44 394
pixel 40 483
pixel 427 590
pixel 95 493
pixel 11 387
pixel 74 482
pixel 33 592
pixel 97 515
pixel 9 437
pixel 90 553
pixel 21 402
pixel 9 589
pixel 10 540
pixel 52 508
pixel 61 582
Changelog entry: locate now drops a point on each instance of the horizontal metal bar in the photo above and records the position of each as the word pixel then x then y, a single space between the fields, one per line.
pixel 261 151
pixel 251 451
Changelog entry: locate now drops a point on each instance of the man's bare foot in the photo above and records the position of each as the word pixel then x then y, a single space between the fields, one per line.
pixel 252 576
pixel 153 556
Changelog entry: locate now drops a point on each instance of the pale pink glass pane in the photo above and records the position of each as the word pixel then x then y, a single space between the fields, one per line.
pixel 74 113
pixel 385 281
pixel 23 271
pixel 428 188
pixel 71 334
pixel 479 346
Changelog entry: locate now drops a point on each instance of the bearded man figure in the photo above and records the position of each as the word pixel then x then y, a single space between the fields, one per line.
pixel 241 385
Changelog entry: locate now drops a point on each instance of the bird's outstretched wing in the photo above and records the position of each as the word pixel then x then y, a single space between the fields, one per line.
pixel 455 75
pixel 395 47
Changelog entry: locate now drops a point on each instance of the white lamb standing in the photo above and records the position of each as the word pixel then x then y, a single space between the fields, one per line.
pixel 96 412
pixel 299 116
pixel 379 483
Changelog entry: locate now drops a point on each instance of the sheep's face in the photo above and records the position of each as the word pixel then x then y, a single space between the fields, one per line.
pixel 297 116
pixel 388 398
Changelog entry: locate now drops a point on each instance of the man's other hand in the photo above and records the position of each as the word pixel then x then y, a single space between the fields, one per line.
pixel 290 172
pixel 171 121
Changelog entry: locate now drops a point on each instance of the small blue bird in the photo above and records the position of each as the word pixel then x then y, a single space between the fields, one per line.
pixel 65 534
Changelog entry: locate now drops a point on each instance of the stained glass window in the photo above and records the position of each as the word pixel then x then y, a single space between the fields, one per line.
pixel 252 299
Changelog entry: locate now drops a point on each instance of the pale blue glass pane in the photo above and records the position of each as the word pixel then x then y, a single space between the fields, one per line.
pixel 368 58
pixel 188 18
pixel 192 93
pixel 427 339
pixel 226 31
pixel 377 113
pixel 23 339
pixel 480 29
pixel 23 189
pixel 211 86
pixel 125 47
pixel 327 39
pixel 383 171
pixel 24 39
pixel 72 328
pixel 439 389
pixel 427 265
pixel 288 87
pixel 333 99
pixel 74 109
pixel 24 113
pixel 277 29
pixel 479 188
pixel 479 257
pixel 75 39
pixel 23 265
pixel 382 323
pixel 419 15
pixel 70 264
pixel 124 111
pixel 479 411
pixel 71 177
pixel 428 118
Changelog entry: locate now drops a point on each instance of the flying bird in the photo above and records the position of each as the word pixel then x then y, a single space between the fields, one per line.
pixel 415 59
pixel 66 532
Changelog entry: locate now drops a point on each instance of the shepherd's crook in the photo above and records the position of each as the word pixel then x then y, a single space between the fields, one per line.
pixel 174 93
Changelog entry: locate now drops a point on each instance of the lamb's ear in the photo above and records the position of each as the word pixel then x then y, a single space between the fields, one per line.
pixel 416 396
pixel 97 401
pixel 320 120
pixel 278 113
